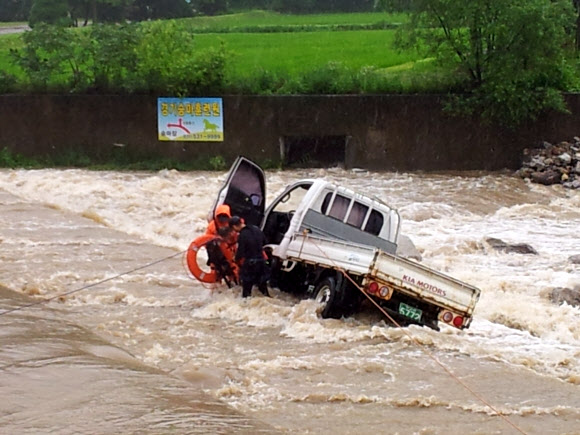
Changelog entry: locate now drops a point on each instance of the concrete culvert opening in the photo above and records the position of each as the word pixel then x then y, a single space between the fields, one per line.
pixel 313 151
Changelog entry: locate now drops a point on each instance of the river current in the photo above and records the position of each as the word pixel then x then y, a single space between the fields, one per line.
pixel 218 363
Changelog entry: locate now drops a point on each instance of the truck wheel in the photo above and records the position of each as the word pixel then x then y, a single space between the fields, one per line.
pixel 328 296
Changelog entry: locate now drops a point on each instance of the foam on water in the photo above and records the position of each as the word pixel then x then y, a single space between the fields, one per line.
pixel 448 217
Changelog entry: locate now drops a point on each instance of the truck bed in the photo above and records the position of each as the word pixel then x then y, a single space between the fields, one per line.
pixel 403 275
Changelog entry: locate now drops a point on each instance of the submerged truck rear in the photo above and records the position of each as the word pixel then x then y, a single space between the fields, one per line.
pixel 410 292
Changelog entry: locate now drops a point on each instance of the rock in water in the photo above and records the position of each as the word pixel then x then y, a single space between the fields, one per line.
pixel 560 295
pixel 517 248
pixel 574 259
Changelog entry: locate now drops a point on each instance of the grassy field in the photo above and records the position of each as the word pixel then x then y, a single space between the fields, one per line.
pixel 260 19
pixel 303 51
pixel 7 42
pixel 10 24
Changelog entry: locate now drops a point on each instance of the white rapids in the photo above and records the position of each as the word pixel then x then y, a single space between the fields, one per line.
pixel 275 359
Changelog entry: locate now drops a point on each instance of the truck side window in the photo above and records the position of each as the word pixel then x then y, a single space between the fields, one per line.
pixel 375 223
pixel 325 202
pixel 339 207
pixel 357 214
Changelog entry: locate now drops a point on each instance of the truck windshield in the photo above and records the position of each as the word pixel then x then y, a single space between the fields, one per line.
pixel 292 199
pixel 278 218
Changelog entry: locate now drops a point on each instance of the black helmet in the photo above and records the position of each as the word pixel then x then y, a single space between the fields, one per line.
pixel 235 220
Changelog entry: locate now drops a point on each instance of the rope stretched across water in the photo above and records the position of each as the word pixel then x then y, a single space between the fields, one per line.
pixel 422 347
pixel 43 301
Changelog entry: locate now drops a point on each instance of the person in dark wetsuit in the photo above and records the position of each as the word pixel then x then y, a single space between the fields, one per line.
pixel 250 256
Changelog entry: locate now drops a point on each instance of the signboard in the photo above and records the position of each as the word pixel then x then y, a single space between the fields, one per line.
pixel 190 119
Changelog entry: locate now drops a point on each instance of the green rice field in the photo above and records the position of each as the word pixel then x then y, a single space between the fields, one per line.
pixel 258 19
pixel 299 52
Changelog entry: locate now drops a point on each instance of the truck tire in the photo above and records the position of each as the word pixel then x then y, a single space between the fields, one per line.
pixel 329 296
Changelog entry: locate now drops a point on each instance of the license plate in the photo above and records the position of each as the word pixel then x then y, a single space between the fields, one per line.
pixel 410 312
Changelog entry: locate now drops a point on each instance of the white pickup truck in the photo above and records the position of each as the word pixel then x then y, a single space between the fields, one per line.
pixel 331 243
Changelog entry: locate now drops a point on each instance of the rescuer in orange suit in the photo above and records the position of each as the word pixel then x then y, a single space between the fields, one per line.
pixel 221 219
pixel 220 226
pixel 221 250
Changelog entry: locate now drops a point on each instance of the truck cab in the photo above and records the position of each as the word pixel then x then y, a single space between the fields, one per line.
pixel 315 206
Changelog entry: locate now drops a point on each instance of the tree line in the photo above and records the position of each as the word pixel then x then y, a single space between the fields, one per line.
pixel 160 57
pixel 515 57
pixel 80 12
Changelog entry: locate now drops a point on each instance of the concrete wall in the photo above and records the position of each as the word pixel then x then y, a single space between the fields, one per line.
pixel 386 132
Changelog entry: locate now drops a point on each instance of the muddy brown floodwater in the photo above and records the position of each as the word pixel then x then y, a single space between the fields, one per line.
pixel 149 350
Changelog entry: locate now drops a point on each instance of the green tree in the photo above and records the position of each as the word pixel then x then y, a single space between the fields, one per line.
pixel 80 10
pixel 210 7
pixel 111 11
pixel 294 6
pixel 111 56
pixel 50 12
pixel 154 9
pixel 510 54
pixel 577 7
pixel 169 62
pixel 100 11
pixel 243 5
pixel 52 57
pixel 14 10
pixel 394 5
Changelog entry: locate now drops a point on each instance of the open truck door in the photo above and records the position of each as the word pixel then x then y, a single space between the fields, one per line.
pixel 244 191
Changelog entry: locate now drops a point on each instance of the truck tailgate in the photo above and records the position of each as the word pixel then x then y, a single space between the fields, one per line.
pixel 414 278
pixel 407 276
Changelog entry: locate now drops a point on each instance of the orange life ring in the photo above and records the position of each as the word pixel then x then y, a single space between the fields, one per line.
pixel 191 259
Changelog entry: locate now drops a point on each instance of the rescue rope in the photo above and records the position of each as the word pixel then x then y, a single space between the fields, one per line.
pixel 422 347
pixel 43 301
